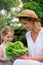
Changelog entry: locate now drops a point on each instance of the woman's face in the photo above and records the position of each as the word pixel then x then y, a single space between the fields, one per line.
pixel 28 25
pixel 8 37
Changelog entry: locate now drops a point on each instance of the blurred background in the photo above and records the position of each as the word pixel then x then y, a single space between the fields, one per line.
pixel 9 9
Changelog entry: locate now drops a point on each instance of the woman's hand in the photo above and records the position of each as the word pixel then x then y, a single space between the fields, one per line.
pixel 23 56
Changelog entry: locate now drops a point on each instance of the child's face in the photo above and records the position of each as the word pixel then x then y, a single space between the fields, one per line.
pixel 8 37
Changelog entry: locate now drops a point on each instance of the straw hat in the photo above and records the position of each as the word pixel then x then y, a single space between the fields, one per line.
pixel 28 13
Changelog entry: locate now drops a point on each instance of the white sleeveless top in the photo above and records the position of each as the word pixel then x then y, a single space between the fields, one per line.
pixel 4 51
pixel 35 48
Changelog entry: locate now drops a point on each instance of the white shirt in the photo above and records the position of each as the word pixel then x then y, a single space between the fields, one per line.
pixel 35 48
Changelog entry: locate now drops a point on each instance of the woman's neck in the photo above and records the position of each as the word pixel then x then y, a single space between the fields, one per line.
pixel 36 31
pixel 34 34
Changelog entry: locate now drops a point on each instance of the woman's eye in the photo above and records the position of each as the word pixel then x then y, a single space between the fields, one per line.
pixel 24 23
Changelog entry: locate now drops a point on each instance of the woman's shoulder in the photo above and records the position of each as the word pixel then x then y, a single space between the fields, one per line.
pixel 42 31
pixel 42 28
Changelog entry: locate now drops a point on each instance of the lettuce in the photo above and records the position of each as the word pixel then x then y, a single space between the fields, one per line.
pixel 15 49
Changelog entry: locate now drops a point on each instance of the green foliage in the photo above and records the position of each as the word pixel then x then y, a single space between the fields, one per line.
pixel 39 1
pixel 25 1
pixel 20 35
pixel 15 49
pixel 2 24
pixel 7 4
pixel 19 28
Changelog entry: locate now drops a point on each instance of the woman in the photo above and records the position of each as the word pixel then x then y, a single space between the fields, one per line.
pixel 34 37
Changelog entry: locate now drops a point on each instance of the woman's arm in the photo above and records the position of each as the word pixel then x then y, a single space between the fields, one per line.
pixel 37 58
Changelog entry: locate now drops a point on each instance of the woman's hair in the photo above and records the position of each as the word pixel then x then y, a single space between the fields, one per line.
pixel 5 31
pixel 37 25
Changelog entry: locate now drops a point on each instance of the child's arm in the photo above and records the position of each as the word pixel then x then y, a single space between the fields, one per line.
pixel 1 55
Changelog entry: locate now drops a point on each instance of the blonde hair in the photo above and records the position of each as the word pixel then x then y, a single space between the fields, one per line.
pixel 37 26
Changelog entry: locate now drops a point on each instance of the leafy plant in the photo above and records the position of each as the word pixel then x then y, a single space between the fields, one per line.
pixel 15 49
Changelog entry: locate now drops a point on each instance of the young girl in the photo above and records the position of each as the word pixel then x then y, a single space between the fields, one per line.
pixel 6 36
pixel 34 37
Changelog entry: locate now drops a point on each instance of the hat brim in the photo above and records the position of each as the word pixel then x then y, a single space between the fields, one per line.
pixel 21 16
pixel 28 17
